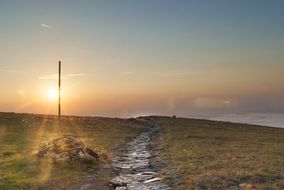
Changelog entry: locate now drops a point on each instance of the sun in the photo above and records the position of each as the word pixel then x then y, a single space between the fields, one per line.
pixel 53 94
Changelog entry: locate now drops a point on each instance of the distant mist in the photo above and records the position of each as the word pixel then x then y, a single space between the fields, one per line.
pixel 266 119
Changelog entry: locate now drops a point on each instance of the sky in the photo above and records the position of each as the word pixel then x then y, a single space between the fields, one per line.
pixel 126 58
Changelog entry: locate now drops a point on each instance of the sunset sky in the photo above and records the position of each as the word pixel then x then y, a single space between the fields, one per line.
pixel 128 58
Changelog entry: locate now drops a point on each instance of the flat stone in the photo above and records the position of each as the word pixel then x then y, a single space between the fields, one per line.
pixel 85 187
pixel 119 181
pixel 134 168
pixel 120 188
pixel 152 180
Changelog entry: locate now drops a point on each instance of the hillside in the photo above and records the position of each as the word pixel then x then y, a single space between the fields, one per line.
pixel 21 135
pixel 187 153
pixel 202 154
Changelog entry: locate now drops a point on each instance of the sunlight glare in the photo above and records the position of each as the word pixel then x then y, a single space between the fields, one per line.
pixel 53 94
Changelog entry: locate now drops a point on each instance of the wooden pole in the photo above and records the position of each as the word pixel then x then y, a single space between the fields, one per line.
pixel 59 90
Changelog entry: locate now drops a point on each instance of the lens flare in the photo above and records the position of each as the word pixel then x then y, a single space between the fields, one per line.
pixel 53 94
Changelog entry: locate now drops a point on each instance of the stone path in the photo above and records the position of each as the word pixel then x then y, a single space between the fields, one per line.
pixel 134 168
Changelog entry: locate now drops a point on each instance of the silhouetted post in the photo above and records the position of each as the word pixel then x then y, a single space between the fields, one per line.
pixel 59 90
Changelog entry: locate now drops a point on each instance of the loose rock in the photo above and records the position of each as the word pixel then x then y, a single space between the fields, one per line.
pixel 67 148
pixel 134 168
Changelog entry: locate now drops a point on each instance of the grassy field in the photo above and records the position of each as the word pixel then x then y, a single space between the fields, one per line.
pixel 21 135
pixel 200 154
pixel 189 153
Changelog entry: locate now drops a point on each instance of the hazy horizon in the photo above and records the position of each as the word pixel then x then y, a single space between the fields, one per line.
pixel 191 59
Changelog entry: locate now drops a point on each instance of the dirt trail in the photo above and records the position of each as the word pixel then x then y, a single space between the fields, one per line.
pixel 133 167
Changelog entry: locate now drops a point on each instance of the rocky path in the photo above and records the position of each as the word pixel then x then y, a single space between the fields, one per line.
pixel 133 167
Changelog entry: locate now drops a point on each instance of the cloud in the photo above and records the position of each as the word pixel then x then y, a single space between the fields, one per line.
pixel 20 92
pixel 45 26
pixel 49 77
pixel 208 102
pixel 266 119
pixel 10 71
pixel 127 73
pixel 75 75
pixel 163 74
pixel 64 77
pixel 170 73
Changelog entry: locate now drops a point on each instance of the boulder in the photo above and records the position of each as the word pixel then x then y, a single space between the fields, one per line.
pixel 67 148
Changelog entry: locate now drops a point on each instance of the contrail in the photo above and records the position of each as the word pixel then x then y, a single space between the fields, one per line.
pixel 45 26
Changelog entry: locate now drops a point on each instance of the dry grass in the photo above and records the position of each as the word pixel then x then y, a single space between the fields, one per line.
pixel 194 154
pixel 200 154
pixel 21 135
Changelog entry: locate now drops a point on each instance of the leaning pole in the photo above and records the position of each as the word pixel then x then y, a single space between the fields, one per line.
pixel 59 90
